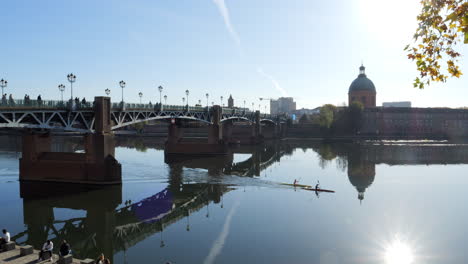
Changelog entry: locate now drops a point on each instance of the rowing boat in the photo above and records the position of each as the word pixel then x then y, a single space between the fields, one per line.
pixel 297 185
pixel 318 190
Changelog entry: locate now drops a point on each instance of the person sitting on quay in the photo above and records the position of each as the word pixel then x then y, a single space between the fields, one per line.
pixel 46 249
pixel 65 249
pixel 5 237
pixel 100 259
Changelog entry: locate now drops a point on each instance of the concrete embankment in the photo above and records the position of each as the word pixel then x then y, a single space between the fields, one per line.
pixel 27 255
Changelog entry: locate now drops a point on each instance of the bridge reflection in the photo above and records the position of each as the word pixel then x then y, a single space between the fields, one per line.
pixel 113 225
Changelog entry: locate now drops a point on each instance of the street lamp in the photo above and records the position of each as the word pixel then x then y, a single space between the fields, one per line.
pixel 3 84
pixel 212 103
pixel 183 100
pixel 207 96
pixel 160 88
pixel 222 100
pixel 253 107
pixel 141 95
pixel 71 78
pixel 187 93
pixel 107 91
pixel 199 102
pixel 244 105
pixel 61 88
pixel 165 99
pixel 122 85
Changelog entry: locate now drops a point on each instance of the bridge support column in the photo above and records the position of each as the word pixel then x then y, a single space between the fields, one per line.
pixel 96 166
pixel 215 130
pixel 214 146
pixel 175 133
pixel 256 129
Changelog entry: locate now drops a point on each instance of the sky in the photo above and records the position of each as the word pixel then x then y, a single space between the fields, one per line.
pixel 307 49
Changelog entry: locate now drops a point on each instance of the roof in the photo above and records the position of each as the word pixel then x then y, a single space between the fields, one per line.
pixel 362 83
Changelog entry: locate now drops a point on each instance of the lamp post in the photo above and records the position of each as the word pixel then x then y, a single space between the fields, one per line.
pixel 199 102
pixel 107 91
pixel 165 99
pixel 140 94
pixel 207 96
pixel 253 107
pixel 222 100
pixel 212 103
pixel 160 88
pixel 71 78
pixel 244 105
pixel 61 88
pixel 183 100
pixel 187 93
pixel 122 85
pixel 3 84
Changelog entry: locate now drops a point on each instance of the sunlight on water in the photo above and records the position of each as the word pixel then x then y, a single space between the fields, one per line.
pixel 398 252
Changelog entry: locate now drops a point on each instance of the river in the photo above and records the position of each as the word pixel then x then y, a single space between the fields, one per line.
pixel 394 202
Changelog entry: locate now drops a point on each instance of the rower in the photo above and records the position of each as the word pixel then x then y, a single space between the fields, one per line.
pixel 295 182
pixel 317 186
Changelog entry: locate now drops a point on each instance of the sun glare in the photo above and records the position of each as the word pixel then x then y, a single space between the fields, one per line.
pixel 398 252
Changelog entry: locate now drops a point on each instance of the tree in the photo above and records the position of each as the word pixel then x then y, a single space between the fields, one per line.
pixel 304 119
pixel 442 24
pixel 355 115
pixel 326 116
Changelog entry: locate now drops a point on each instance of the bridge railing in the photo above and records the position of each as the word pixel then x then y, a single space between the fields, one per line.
pixel 42 104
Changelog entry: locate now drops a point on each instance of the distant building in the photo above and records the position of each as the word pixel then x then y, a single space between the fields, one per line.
pixel 362 90
pixel 230 102
pixel 300 112
pixel 397 104
pixel 282 105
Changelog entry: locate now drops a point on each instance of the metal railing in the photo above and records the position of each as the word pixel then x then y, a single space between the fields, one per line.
pixel 42 104
pixel 79 105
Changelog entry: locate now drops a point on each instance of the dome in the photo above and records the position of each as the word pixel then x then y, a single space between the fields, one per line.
pixel 362 83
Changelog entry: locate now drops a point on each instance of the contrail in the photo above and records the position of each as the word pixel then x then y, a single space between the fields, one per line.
pixel 223 10
pixel 219 242
pixel 274 81
pixel 227 21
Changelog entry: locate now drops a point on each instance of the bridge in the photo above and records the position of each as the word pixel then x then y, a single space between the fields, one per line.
pixel 58 115
pixel 98 120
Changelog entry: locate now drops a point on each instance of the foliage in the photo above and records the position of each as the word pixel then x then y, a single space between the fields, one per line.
pixel 442 24
pixel 355 115
pixel 139 127
pixel 326 116
pixel 304 119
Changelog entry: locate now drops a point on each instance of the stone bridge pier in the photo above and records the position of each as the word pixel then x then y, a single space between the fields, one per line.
pixel 96 166
pixel 215 145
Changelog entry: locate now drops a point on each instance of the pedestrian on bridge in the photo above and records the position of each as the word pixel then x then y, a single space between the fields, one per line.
pixel 11 101
pixel 4 100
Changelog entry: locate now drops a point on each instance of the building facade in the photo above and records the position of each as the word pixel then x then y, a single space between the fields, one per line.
pixel 418 122
pixel 397 104
pixel 362 90
pixel 282 105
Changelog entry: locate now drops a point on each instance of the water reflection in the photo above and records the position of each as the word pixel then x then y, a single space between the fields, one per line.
pixel 102 221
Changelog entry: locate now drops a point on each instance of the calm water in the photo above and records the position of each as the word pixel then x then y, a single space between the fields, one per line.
pixel 393 204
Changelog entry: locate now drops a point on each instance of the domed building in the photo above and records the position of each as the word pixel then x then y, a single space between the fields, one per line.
pixel 362 90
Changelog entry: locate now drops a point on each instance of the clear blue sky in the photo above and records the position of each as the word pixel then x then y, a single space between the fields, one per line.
pixel 310 50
